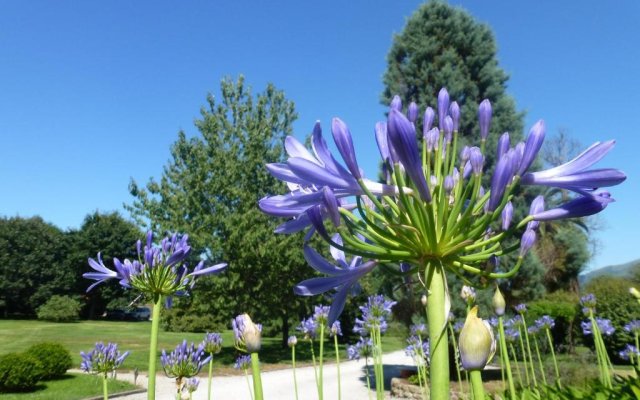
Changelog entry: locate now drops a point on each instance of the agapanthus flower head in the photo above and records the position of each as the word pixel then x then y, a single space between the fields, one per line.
pixel 243 362
pixel 468 294
pixel 588 301
pixel 362 348
pixel 191 385
pixel 432 211
pixel 292 341
pixel 533 330
pixel 102 359
pixel 521 308
pixel 511 335
pixel 633 327
pixel 457 327
pixel 418 349
pixel 321 315
pixel 374 315
pixel 248 336
pixel 629 352
pixel 418 330
pixel 335 329
pixel 185 361
pixel 158 271
pixel 212 343
pixel 545 322
pixel 604 325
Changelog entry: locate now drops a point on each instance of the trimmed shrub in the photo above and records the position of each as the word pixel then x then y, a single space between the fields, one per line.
pixel 175 320
pixel 54 357
pixel 563 307
pixel 60 309
pixel 19 372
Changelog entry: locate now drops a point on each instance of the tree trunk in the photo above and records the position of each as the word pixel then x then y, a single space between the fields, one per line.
pixel 285 329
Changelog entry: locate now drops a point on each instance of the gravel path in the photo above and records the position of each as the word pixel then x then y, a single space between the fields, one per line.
pixel 279 384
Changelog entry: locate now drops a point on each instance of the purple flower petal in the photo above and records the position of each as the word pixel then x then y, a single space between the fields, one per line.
pixel 344 143
pixel 427 122
pixel 484 116
pixel 532 146
pixel 443 106
pixel 580 207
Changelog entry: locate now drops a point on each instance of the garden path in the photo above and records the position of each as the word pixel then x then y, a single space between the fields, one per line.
pixel 278 384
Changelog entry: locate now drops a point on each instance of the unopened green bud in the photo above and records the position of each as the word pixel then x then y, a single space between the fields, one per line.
pixel 634 292
pixel 498 302
pixel 477 344
pixel 423 300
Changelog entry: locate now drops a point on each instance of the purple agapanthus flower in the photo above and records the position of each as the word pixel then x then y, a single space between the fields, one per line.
pixel 374 315
pixel 185 361
pixel 336 329
pixel 191 385
pixel 343 277
pixel 308 327
pixel 457 327
pixel 103 359
pixel 521 308
pixel 158 271
pixel 588 301
pixel 581 206
pixel 633 327
pixel 511 335
pixel 362 348
pixel 545 322
pixel 629 352
pixel 604 325
pixel 418 348
pixel 243 362
pixel 212 343
pixel 418 330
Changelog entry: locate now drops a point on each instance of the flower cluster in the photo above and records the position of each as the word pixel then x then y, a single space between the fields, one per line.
pixel 521 308
pixel 243 362
pixel 212 343
pixel 433 205
pixel 362 348
pixel 545 322
pixel 102 359
pixel 418 348
pixel 633 327
pixel 191 385
pixel 588 303
pixel 248 336
pixel 629 352
pixel 374 315
pixel 604 325
pixel 158 271
pixel 185 361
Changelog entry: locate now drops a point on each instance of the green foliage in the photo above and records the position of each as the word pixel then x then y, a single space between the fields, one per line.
pixel 19 372
pixel 176 320
pixel 614 303
pixel 443 46
pixel 624 388
pixel 210 189
pixel 563 307
pixel 59 309
pixel 54 357
pixel 31 264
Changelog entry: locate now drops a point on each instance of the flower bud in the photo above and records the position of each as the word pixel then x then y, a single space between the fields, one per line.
pixel 454 111
pixel 448 183
pixel 468 294
pixel 443 106
pixel 412 112
pixel 503 144
pixel 498 302
pixel 396 103
pixel 447 126
pixel 427 122
pixel 423 300
pixel 507 215
pixel 527 241
pixel 477 344
pixel 248 336
pixel 292 341
pixel 484 116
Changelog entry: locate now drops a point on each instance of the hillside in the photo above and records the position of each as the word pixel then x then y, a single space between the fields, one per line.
pixel 620 270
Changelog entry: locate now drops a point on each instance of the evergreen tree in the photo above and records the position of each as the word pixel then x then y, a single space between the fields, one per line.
pixel 210 189
pixel 443 46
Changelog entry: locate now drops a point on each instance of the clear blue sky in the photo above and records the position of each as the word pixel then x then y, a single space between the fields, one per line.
pixel 93 93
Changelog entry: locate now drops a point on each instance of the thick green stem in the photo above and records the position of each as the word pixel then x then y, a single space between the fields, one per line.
pixel 439 343
pixel 504 356
pixel 105 391
pixel 553 356
pixel 210 377
pixel 153 348
pixel 335 343
pixel 293 365
pixel 377 362
pixel 257 380
pixel 476 384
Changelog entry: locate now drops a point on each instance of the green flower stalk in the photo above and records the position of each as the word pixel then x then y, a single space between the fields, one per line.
pixel 102 360
pixel 212 345
pixel 534 331
pixel 292 342
pixel 546 323
pixel 456 352
pixel 499 306
pixel 522 309
pixel 431 215
pixel 335 332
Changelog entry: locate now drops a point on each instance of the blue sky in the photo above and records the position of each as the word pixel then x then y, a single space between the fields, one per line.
pixel 92 94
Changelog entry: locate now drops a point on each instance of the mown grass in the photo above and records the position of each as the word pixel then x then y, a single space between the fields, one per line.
pixel 69 387
pixel 18 335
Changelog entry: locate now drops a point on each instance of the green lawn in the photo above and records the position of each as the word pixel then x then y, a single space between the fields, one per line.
pixel 69 387
pixel 18 335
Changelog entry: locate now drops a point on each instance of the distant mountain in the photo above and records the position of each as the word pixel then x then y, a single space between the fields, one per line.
pixel 621 270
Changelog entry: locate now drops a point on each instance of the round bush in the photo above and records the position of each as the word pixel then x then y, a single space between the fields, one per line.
pixel 59 309
pixel 19 372
pixel 54 358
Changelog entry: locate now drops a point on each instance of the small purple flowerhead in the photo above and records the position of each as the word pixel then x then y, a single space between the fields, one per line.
pixel 545 322
pixel 191 385
pixel 633 327
pixel 212 343
pixel 374 315
pixel 412 112
pixel 468 294
pixel 321 315
pixel 449 183
pixel 588 301
pixel 418 330
pixel 362 348
pixel 454 111
pixel 443 106
pixel 335 329
pixel 243 362
pixel 629 352
pixel 185 361
pixel 102 359
pixel 432 138
pixel 484 116
pixel 521 308
pixel 292 341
